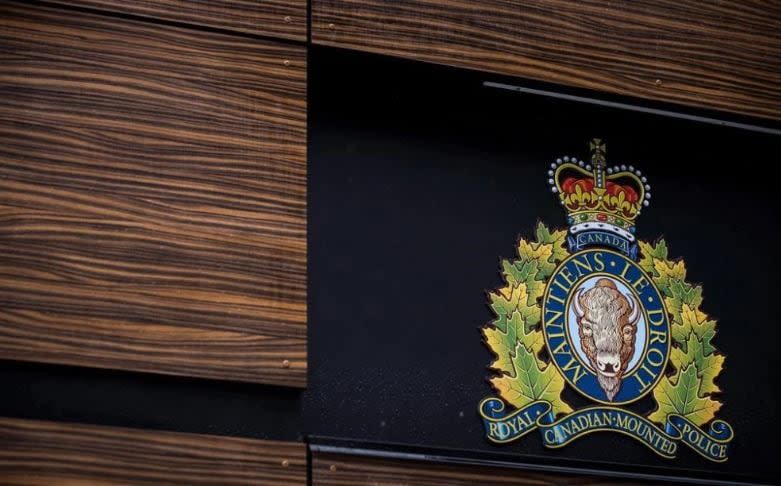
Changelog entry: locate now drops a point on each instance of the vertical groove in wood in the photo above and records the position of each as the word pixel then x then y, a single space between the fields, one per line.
pixel 719 55
pixel 152 198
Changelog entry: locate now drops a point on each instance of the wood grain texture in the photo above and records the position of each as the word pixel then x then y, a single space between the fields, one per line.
pixel 152 198
pixel 35 452
pixel 330 469
pixel 285 19
pixel 722 55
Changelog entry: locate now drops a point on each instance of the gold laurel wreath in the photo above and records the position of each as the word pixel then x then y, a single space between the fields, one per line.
pixel 516 339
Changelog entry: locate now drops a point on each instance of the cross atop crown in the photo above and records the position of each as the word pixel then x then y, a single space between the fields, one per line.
pixel 598 150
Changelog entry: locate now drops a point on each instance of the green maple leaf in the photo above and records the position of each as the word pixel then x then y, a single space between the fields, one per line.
pixel 541 253
pixel 556 239
pixel 650 254
pixel 681 293
pixel 518 271
pixel 535 291
pixel 525 272
pixel 503 302
pixel 531 381
pixel 708 365
pixel 693 320
pixel 506 332
pixel 503 344
pixel 667 272
pixel 687 392
pixel 681 395
pixel 514 335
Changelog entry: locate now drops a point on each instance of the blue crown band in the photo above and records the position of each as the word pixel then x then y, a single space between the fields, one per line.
pixel 588 238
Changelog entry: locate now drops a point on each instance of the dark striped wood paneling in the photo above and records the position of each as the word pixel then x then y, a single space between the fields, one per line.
pixel 152 198
pixel 329 469
pixel 45 453
pixel 723 55
pixel 286 19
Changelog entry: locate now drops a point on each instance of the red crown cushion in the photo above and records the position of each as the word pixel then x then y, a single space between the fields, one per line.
pixel 586 185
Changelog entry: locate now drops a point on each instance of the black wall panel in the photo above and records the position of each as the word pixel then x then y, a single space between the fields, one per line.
pixel 421 179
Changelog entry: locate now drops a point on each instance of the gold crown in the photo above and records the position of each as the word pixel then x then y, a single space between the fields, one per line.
pixel 599 197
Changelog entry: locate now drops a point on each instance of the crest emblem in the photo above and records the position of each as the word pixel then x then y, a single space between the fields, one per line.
pixel 594 310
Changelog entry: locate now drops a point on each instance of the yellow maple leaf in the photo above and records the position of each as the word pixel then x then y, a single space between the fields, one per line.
pixel 540 252
pixel 514 336
pixel 647 259
pixel 681 395
pixel 650 254
pixel 505 300
pixel 496 340
pixel 529 312
pixel 668 271
pixel 708 365
pixel 503 341
pixel 532 381
pixel 694 320
pixel 556 240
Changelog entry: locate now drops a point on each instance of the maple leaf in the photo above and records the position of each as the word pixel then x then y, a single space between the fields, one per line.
pixel 535 290
pixel 525 272
pixel 650 254
pixel 708 365
pixel 503 337
pixel 518 271
pixel 667 272
pixel 687 392
pixel 504 302
pixel 498 342
pixel 531 381
pixel 514 335
pixel 540 252
pixel 503 344
pixel 693 320
pixel 681 395
pixel 556 239
pixel 682 293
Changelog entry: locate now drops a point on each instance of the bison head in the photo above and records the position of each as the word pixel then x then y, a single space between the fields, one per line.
pixel 607 325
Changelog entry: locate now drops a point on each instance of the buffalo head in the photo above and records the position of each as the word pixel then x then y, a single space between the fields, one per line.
pixel 607 325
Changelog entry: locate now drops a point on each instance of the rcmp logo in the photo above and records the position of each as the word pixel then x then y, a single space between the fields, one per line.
pixel 609 316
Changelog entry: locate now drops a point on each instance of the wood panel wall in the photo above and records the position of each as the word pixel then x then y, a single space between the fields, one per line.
pixel 45 453
pixel 332 469
pixel 723 55
pixel 152 197
pixel 285 19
